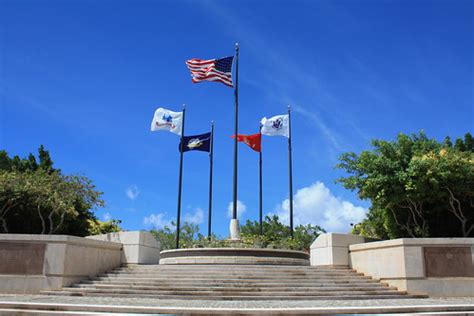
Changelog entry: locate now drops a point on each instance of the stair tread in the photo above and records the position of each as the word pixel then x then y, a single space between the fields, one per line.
pixel 237 297
pixel 233 282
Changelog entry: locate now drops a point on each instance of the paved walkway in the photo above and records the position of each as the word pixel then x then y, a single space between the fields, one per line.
pixel 153 306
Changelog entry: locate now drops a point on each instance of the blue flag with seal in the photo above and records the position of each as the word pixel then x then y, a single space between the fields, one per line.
pixel 200 142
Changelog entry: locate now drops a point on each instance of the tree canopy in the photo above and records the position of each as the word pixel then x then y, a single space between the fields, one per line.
pixel 418 187
pixel 37 198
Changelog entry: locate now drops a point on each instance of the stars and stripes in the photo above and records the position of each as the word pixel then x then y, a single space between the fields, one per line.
pixel 219 70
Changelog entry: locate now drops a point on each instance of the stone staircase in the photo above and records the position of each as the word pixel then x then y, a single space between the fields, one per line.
pixel 233 282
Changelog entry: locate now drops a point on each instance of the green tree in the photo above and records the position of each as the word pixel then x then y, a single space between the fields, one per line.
pixel 39 202
pixel 12 193
pixel 35 197
pixel 278 235
pixel 97 227
pixel 417 186
pixel 166 236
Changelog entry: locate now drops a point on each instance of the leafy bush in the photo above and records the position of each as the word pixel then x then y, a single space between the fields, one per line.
pixel 275 235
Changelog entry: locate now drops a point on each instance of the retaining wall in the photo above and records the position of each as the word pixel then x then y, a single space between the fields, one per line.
pixel 30 263
pixel 433 266
pixel 429 266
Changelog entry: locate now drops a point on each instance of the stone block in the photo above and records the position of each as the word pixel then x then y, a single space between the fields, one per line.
pixel 139 247
pixel 332 249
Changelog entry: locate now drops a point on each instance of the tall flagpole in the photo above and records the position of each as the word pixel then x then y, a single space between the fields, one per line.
pixel 180 179
pixel 211 154
pixel 234 224
pixel 290 172
pixel 260 202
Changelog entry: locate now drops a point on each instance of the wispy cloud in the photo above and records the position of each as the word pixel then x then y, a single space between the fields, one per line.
pixel 291 82
pixel 195 218
pixel 316 205
pixel 330 135
pixel 132 192
pixel 106 217
pixel 241 209
pixel 157 221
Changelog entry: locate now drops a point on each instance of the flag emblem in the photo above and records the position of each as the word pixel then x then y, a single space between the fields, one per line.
pixel 195 143
pixel 167 118
pixel 219 70
pixel 278 123
pixel 200 142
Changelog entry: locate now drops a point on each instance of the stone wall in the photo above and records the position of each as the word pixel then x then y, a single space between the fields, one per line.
pixel 429 266
pixel 30 263
pixel 433 266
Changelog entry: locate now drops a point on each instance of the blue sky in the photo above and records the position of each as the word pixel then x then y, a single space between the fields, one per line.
pixel 84 78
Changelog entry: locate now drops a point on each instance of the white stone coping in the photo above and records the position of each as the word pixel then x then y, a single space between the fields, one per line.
pixel 268 250
pixel 141 238
pixel 235 260
pixel 413 242
pixel 60 239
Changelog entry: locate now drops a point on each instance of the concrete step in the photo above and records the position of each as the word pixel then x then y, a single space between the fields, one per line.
pixel 257 269
pixel 242 280
pixel 271 297
pixel 234 288
pixel 230 272
pixel 242 284
pixel 161 276
pixel 229 282
pixel 226 291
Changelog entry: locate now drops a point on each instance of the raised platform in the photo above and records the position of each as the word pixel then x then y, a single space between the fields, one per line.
pixel 240 256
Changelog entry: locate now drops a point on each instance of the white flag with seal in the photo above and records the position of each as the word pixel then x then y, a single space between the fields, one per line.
pixel 166 120
pixel 276 126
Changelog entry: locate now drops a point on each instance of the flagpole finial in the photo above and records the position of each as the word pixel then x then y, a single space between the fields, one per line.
pixel 289 107
pixel 184 106
pixel 212 122
pixel 236 45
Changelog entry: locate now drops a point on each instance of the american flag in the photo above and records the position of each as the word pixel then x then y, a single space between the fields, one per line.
pixel 211 70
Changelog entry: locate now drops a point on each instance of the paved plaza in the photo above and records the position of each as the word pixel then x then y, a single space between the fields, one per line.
pixel 108 305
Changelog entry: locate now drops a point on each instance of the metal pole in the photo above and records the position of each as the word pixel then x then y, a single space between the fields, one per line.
pixel 211 154
pixel 261 191
pixel 290 173
pixel 236 128
pixel 180 179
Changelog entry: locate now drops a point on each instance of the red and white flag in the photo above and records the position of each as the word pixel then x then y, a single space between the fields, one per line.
pixel 253 141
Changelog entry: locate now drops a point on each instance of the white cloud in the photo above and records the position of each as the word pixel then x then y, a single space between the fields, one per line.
pixel 196 218
pixel 132 192
pixel 156 220
pixel 106 217
pixel 241 208
pixel 317 205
